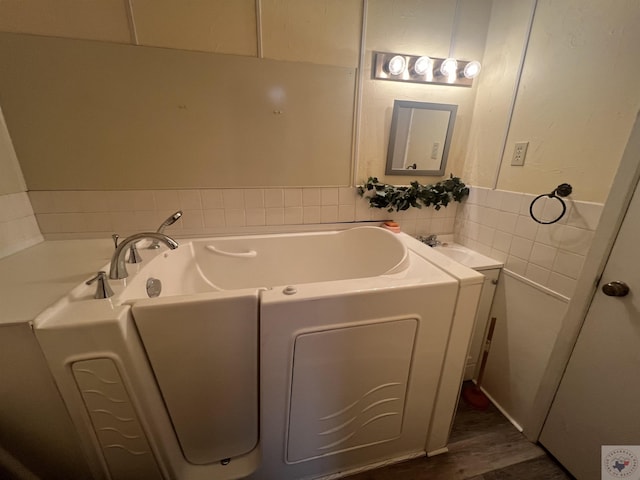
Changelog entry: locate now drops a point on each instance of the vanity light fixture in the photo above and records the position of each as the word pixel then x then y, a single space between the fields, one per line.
pixel 471 69
pixel 449 67
pixel 423 69
pixel 396 65
pixel 423 66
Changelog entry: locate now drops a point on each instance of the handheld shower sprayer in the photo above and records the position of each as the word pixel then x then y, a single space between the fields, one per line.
pixel 169 221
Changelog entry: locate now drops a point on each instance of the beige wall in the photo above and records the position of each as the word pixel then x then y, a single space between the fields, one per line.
pixel 11 180
pixel 109 116
pixel 575 122
pixel 18 227
pixel 105 20
pixel 324 32
pixel 506 40
pixel 576 104
pixel 219 27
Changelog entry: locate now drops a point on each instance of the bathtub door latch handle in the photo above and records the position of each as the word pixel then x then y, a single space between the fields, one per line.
pixel 249 254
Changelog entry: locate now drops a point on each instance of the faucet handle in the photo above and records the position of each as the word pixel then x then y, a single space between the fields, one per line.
pixel 134 255
pixel 115 237
pixel 103 289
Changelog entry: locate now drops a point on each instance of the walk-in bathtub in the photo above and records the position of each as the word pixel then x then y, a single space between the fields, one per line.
pixel 268 356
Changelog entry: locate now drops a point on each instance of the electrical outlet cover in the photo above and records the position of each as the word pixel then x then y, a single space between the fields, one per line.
pixel 519 153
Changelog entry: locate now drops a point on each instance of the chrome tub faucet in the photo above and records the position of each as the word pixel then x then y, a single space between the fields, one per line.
pixel 118 269
pixel 431 240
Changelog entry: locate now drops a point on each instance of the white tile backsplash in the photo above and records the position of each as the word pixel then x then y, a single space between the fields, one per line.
pixel 494 199
pixel 293 215
pixel 526 227
pixel 347 196
pixel 584 215
pixel 255 216
pixel 507 221
pixel 293 197
pixel 235 217
pixel 274 198
pixel 254 198
pixel 233 198
pixel 214 218
pixel 65 213
pixel 537 274
pixel 568 264
pixel 274 216
pixel 329 196
pixel 521 247
pixel 511 202
pixel 211 198
pixel 553 211
pixel 550 255
pixel 167 200
pixel 543 255
pixel 311 214
pixel 311 197
pixel 502 241
pixel 329 213
pixel 346 212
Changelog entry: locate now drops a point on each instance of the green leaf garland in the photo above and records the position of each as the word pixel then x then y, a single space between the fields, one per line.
pixel 391 197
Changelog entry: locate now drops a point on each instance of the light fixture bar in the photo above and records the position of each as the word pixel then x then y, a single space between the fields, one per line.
pixel 381 70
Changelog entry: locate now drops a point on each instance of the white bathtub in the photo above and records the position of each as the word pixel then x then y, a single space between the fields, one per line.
pixel 272 356
pixel 266 261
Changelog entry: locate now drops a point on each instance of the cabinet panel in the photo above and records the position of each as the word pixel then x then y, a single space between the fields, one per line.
pixel 349 387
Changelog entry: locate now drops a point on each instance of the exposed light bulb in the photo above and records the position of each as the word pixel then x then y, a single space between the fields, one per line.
pixel 449 67
pixel 423 65
pixel 472 69
pixel 397 65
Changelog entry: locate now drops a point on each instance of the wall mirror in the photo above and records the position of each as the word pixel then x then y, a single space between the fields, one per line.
pixel 420 138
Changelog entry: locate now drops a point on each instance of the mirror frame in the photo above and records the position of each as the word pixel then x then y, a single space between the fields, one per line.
pixel 396 137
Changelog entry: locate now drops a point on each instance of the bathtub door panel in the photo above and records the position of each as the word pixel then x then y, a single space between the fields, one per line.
pixel 355 361
pixel 349 387
pixel 204 353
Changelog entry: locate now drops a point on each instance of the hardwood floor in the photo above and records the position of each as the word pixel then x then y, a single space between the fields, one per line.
pixel 484 446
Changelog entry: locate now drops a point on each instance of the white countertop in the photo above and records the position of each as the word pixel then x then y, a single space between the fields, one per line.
pixel 35 278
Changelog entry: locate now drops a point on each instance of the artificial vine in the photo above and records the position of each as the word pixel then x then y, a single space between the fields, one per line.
pixel 415 195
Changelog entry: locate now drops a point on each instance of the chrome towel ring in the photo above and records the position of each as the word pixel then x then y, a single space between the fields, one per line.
pixel 561 190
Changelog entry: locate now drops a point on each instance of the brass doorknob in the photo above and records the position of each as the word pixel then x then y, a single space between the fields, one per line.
pixel 615 289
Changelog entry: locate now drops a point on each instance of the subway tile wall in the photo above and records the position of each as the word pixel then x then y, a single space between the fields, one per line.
pixel 69 214
pixel 18 227
pixel 497 223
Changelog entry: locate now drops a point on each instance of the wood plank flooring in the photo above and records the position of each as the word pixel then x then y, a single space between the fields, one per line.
pixel 484 446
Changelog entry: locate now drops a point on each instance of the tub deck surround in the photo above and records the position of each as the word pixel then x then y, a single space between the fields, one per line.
pixel 35 278
pixel 361 315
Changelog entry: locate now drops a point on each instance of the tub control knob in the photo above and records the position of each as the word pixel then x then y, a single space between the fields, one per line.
pixel 290 290
pixel 104 289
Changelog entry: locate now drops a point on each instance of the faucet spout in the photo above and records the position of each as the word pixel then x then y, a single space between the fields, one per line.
pixel 118 269
pixel 431 240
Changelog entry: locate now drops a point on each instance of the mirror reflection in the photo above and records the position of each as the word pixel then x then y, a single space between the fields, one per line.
pixel 420 138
